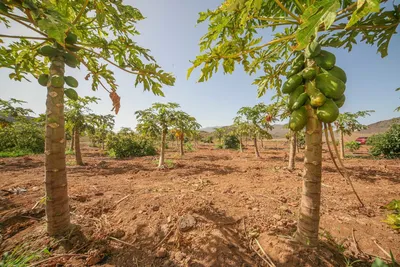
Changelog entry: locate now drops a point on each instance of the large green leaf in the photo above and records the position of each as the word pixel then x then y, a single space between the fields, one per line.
pixel 364 7
pixel 53 28
pixel 321 12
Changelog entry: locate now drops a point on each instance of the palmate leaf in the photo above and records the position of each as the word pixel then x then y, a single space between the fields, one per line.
pixel 364 7
pixel 321 12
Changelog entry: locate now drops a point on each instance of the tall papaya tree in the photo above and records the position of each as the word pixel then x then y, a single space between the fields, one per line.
pixel 298 28
pixel 256 123
pixel 347 123
pixel 76 115
pixel 93 34
pixel 101 125
pixel 155 122
pixel 241 130
pixel 184 125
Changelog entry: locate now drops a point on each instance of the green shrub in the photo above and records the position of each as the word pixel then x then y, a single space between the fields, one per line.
pixel 124 145
pixel 25 136
pixel 386 144
pixel 189 147
pixel 231 142
pixel 208 140
pixel 352 146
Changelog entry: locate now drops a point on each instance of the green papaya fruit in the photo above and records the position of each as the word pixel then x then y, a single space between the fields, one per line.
pixel 71 61
pixel 71 38
pixel 71 81
pixel 338 73
pixel 299 60
pixel 309 73
pixel 325 60
pixel 57 81
pixel 317 100
pixel 330 86
pixel 71 94
pixel 3 7
pixel 43 79
pixel 328 112
pixel 73 48
pixel 298 119
pixel 300 101
pixel 312 50
pixel 294 95
pixel 340 102
pixel 294 70
pixel 48 51
pixel 292 83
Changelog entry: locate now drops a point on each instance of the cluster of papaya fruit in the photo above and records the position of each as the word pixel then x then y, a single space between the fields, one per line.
pixel 320 85
pixel 70 60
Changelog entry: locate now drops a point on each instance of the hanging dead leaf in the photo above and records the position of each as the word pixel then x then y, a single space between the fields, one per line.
pixel 116 101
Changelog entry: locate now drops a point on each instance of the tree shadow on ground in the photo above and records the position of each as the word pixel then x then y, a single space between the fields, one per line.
pixel 108 168
pixel 370 176
pixel 16 164
pixel 208 168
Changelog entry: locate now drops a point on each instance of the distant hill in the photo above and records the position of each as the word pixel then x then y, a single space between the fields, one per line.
pixel 280 131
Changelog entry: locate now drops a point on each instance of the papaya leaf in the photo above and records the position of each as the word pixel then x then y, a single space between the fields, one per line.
pixel 53 28
pixel 364 7
pixel 321 12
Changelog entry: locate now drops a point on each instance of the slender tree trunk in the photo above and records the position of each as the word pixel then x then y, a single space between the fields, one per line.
pixel 162 152
pixel 256 148
pixel 72 140
pixel 341 144
pixel 292 152
pixel 308 223
pixel 181 152
pixel 262 143
pixel 57 206
pixel 78 154
pixel 240 144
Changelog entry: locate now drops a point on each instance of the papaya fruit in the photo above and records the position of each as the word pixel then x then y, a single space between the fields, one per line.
pixel 292 83
pixel 71 94
pixel 71 81
pixel 299 60
pixel 330 86
pixel 338 73
pixel 73 48
pixel 57 81
pixel 294 70
pixel 294 95
pixel 317 100
pixel 48 51
pixel 325 60
pixel 300 101
pixel 43 79
pixel 328 112
pixel 71 38
pixel 312 50
pixel 70 60
pixel 298 119
pixel 309 73
pixel 3 7
pixel 340 102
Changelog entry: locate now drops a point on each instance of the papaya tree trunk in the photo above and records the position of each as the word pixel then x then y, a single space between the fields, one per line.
pixel 57 206
pixel 72 140
pixel 308 223
pixel 78 154
pixel 181 145
pixel 240 144
pixel 292 152
pixel 162 152
pixel 341 144
pixel 256 147
pixel 262 143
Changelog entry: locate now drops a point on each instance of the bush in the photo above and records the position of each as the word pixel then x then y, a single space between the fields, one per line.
pixel 189 147
pixel 352 146
pixel 208 140
pixel 386 144
pixel 124 145
pixel 231 142
pixel 25 136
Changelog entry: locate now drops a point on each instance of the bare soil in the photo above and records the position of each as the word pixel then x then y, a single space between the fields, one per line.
pixel 209 208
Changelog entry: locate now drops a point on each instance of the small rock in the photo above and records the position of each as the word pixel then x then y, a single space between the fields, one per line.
pixel 161 253
pixel 186 222
pixel 35 188
pixel 156 208
pixel 179 256
pixel 277 217
pixel 118 233
pixel 255 209
pixel 95 256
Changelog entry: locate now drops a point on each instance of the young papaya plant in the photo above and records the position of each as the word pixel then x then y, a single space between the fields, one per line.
pixel 184 125
pixel 299 30
pixel 92 34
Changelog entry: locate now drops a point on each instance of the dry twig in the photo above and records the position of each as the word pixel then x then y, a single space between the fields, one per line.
pixel 120 241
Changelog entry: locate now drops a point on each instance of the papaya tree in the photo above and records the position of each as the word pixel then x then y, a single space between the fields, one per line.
pixel 155 121
pixel 76 115
pixel 347 123
pixel 241 130
pixel 298 30
pixel 92 34
pixel 255 123
pixel 184 125
pixel 219 134
pixel 101 125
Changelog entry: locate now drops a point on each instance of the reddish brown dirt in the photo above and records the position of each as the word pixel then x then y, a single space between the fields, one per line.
pixel 230 197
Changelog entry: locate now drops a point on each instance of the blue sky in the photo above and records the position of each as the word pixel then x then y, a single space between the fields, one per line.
pixel 170 32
